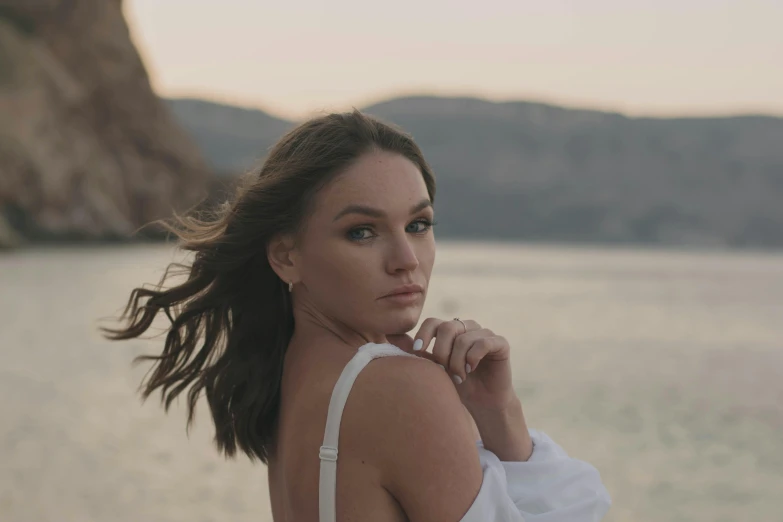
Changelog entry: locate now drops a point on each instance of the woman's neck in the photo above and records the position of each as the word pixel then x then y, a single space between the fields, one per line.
pixel 313 328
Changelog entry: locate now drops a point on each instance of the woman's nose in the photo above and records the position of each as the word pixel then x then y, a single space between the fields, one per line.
pixel 402 256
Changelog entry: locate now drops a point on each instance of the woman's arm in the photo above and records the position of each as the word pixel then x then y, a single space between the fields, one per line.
pixel 426 449
pixel 473 427
pixel 504 431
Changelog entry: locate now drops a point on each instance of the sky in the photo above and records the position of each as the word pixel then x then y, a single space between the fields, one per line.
pixel 640 57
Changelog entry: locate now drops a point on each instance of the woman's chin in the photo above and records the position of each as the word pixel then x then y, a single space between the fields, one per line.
pixel 405 320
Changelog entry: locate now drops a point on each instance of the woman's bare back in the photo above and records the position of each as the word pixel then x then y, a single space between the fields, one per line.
pixel 294 465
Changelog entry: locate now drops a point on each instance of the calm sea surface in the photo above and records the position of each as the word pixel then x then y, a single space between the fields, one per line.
pixel 664 369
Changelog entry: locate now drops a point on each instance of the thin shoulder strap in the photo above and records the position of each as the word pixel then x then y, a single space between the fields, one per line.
pixel 327 493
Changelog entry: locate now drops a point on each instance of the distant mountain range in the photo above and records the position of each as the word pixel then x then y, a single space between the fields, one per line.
pixel 537 172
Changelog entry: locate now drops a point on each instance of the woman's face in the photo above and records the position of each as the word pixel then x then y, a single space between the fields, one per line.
pixel 369 236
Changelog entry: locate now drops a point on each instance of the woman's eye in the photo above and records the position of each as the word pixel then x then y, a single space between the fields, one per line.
pixel 358 234
pixel 417 227
pixel 366 233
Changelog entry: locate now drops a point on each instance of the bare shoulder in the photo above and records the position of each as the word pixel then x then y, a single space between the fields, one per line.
pixel 418 435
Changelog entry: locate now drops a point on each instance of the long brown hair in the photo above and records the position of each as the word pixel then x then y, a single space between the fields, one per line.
pixel 231 319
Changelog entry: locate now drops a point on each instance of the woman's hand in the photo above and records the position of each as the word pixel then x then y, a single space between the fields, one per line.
pixel 478 361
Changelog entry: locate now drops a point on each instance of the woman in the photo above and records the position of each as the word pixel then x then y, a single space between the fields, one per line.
pixel 320 266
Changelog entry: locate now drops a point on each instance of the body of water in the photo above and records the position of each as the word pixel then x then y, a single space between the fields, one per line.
pixel 664 369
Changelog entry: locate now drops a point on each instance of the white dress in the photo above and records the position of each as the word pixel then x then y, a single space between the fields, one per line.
pixel 549 487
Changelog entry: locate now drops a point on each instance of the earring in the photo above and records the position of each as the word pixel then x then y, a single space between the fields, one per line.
pixel 290 286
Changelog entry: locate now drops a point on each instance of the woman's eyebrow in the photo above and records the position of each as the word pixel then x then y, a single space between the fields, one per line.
pixel 377 213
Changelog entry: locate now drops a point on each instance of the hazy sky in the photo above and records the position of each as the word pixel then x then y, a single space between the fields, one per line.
pixel 658 57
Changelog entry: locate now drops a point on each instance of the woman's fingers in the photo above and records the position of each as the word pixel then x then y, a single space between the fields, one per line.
pixel 454 340
pixel 483 347
pixel 426 333
pixel 444 340
pixel 446 334
pixel 459 363
pixel 430 326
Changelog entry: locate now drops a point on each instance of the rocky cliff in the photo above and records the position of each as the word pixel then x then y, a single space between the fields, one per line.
pixel 87 150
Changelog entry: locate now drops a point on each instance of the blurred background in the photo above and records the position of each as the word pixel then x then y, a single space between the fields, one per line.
pixel 610 198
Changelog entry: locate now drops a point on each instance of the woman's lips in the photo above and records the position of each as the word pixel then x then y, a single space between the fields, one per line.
pixel 404 298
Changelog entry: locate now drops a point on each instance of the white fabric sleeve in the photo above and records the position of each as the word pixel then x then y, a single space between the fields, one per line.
pixel 549 487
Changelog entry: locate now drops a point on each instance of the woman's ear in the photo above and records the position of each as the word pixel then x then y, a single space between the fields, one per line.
pixel 280 254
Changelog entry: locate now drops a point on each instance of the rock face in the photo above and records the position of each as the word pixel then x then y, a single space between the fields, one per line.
pixel 87 150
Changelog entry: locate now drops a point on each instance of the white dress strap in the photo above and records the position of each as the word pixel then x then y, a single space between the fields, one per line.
pixel 327 493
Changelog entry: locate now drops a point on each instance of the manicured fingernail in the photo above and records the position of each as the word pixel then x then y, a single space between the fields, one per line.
pixel 468 369
pixel 417 345
pixel 457 379
pixel 444 368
